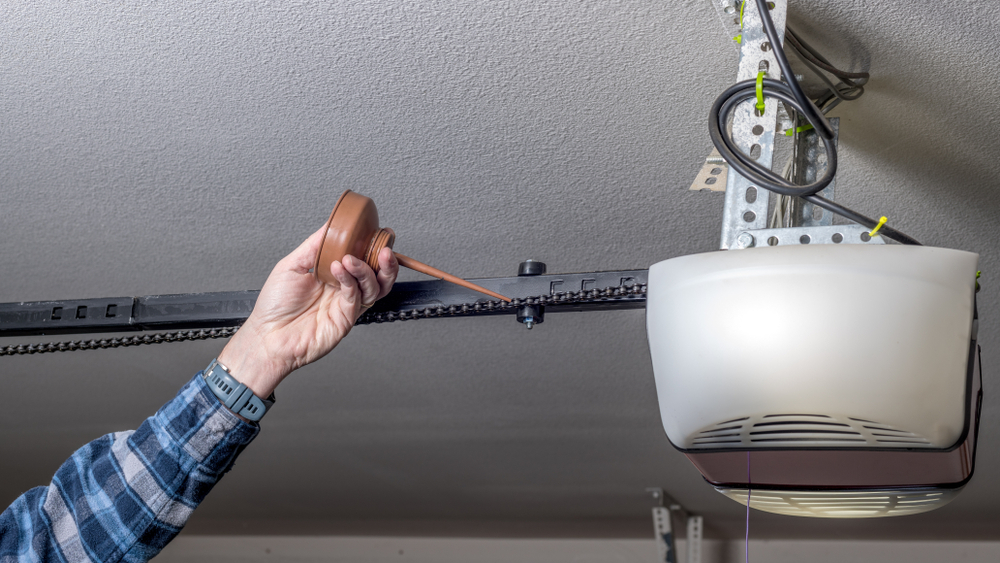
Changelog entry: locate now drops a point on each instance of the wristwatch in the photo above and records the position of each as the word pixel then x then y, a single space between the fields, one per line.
pixel 236 396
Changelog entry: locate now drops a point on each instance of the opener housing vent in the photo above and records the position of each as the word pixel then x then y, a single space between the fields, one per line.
pixel 818 430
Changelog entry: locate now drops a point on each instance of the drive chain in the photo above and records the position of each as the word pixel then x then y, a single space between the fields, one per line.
pixel 118 342
pixel 463 310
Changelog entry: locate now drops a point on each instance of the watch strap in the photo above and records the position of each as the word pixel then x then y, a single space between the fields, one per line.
pixel 234 395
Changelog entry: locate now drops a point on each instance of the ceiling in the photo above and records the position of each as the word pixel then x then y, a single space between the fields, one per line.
pixel 185 147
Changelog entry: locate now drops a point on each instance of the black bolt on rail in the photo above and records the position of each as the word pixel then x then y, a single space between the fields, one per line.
pixel 531 315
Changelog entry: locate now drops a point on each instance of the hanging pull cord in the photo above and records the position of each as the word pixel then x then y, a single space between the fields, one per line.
pixel 749 490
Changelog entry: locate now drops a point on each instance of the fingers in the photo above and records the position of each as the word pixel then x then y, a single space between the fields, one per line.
pixel 388 270
pixel 366 281
pixel 304 257
pixel 346 284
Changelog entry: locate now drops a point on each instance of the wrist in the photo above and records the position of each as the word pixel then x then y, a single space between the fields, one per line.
pixel 235 396
pixel 245 357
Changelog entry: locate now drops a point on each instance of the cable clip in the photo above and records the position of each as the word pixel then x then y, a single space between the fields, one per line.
pixel 739 38
pixel 879 226
pixel 806 127
pixel 760 92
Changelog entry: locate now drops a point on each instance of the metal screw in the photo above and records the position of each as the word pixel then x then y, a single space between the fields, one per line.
pixel 745 240
pixel 529 322
pixel 656 493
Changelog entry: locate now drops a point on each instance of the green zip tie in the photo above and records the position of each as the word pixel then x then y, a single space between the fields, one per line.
pixel 788 132
pixel 978 273
pixel 881 222
pixel 739 38
pixel 760 92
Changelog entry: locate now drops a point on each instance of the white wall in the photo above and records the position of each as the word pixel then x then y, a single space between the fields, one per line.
pixel 221 549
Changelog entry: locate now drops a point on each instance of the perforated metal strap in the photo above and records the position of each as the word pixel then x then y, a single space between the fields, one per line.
pixel 234 395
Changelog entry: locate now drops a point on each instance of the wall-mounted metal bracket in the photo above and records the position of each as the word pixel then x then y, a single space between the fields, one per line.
pixel 746 206
pixel 663 529
pixel 729 15
pixel 713 174
pixel 745 215
pixel 809 164
pixel 695 533
pixel 834 234
pixel 663 516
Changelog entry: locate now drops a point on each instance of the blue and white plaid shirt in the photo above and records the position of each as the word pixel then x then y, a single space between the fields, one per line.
pixel 124 496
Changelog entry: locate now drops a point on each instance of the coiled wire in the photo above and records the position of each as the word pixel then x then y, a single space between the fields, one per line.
pixel 791 94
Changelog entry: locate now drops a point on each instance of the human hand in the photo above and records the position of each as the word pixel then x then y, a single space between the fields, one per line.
pixel 298 320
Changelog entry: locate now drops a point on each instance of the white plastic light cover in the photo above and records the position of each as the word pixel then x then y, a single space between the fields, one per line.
pixel 815 345
pixel 868 503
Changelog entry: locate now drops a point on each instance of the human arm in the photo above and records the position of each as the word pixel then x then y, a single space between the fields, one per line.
pixel 298 320
pixel 124 496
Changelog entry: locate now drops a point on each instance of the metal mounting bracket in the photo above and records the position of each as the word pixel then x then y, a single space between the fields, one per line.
pixel 663 528
pixel 833 234
pixel 809 163
pixel 729 15
pixel 695 532
pixel 745 205
pixel 745 215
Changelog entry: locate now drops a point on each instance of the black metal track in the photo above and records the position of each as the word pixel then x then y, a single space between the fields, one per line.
pixel 230 308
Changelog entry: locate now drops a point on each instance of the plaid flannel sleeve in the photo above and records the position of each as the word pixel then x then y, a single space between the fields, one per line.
pixel 124 496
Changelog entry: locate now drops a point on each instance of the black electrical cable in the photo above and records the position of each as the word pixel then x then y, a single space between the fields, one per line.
pixel 809 109
pixel 853 90
pixel 853 82
pixel 748 167
pixel 812 54
pixel 791 93
pixel 860 219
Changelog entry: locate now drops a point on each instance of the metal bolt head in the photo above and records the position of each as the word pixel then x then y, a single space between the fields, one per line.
pixel 745 240
pixel 531 268
pixel 531 315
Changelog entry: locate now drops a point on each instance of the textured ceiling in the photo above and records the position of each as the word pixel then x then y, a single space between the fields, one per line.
pixel 184 147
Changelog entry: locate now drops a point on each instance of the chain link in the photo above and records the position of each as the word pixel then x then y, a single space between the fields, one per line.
pixel 471 309
pixel 120 342
pixel 463 310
